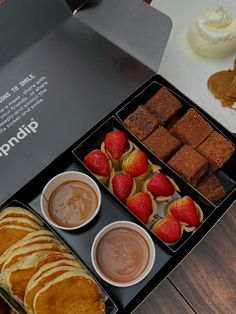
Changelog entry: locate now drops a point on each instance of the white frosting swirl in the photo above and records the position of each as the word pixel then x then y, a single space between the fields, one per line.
pixel 214 30
pixel 216 25
pixel 218 17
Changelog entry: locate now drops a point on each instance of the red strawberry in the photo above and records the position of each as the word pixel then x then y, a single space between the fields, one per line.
pixel 168 229
pixel 116 143
pixel 141 205
pixel 185 211
pixel 122 185
pixel 136 163
pixel 160 184
pixel 98 163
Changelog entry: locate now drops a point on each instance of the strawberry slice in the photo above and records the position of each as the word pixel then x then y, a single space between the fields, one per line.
pixel 185 211
pixel 136 163
pixel 160 185
pixel 116 143
pixel 98 163
pixel 122 185
pixel 141 205
pixel 168 229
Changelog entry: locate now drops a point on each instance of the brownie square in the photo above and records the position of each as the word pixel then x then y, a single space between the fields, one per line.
pixel 217 149
pixel 189 164
pixel 163 105
pixel 162 143
pixel 141 122
pixel 211 188
pixel 192 129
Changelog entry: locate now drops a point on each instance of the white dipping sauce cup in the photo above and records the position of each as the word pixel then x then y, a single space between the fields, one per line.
pixel 55 182
pixel 143 233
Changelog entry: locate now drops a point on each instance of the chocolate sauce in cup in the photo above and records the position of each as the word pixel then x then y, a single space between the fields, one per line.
pixel 70 200
pixel 72 203
pixel 123 253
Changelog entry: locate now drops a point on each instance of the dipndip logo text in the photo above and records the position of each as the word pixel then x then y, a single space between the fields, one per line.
pixel 23 132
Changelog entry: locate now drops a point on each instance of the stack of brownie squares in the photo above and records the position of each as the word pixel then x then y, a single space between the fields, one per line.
pixel 188 143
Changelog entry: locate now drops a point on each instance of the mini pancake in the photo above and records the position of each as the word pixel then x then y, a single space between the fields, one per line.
pixel 25 262
pixel 37 233
pixel 9 235
pixel 75 293
pixel 25 243
pixel 19 221
pixel 19 253
pixel 19 212
pixel 43 280
pixel 19 279
pixel 15 279
pixel 42 232
pixel 69 260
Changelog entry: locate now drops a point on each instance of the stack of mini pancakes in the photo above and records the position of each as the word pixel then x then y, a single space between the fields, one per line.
pixel 39 272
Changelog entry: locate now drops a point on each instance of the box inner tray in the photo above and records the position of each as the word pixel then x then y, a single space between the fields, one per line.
pixel 81 241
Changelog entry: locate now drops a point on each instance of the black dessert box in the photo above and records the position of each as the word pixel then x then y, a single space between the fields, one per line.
pixel 80 241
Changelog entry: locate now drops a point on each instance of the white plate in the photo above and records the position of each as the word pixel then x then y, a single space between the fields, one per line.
pixel 186 70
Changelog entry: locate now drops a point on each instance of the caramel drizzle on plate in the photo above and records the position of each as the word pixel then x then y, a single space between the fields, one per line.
pixel 223 86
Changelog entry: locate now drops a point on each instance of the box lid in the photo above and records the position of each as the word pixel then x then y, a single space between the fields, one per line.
pixel 133 25
pixel 24 22
pixel 56 89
